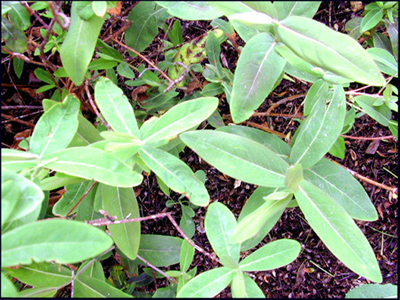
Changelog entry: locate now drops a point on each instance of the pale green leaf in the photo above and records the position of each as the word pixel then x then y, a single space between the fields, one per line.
pixel 16 160
pixel 121 202
pixel 273 255
pixel 393 30
pixel 90 287
pixel 232 7
pixel 220 224
pixel 259 67
pixel 371 19
pixel 207 284
pixel 320 130
pixel 381 114
pixel 45 292
pixel 92 163
pixel 296 8
pixel 78 47
pixel 394 128
pixel 384 60
pixel 190 10
pixel 175 174
pixel 238 157
pixel 99 8
pixel 8 289
pixel 179 118
pixel 63 241
pixel 187 255
pixel 238 286
pixel 370 291
pixel 56 127
pixel 343 188
pixel 294 175
pixel 42 275
pixel 124 69
pixel 19 16
pixel 86 133
pixel 252 288
pixel 338 231
pixel 330 50
pixel 115 107
pixel 160 250
pixel 317 93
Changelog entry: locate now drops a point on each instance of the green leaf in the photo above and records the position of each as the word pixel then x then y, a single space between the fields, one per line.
pixel 63 241
pixel 16 160
pixel 100 8
pixel 220 224
pixel 14 37
pixel 8 288
pixel 338 148
pixel 123 69
pixel 238 157
pixel 92 163
pixel 19 16
pixel 175 35
pixel 252 288
pixel 44 76
pixel 78 47
pixel 254 223
pixel 393 30
pixel 115 107
pixel 271 256
pixel 193 10
pixel 56 127
pixel 42 275
pixel 369 291
pixel 146 18
pixel 18 65
pixel 230 8
pixel 258 69
pixel 102 64
pixel 46 292
pixel 330 50
pixel 353 27
pixel 394 128
pixel 338 231
pixel 179 118
pixel 187 254
pixel 73 194
pixel 19 196
pixel 296 8
pixel 371 19
pixel 90 287
pixel 385 60
pixel 252 204
pixel 238 286
pixel 294 175
pixel 320 130
pixel 86 133
pixel 381 114
pixel 160 250
pixel 343 188
pixel 122 203
pixel 317 93
pixel 213 50
pixel 207 284
pixel 175 174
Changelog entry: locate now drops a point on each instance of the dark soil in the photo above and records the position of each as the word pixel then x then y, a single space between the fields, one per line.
pixel 316 273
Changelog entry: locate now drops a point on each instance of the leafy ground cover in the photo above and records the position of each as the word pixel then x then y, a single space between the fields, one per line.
pixel 315 272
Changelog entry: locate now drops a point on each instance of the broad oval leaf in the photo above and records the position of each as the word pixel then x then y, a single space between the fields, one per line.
pixel 338 231
pixel 271 256
pixel 56 127
pixel 175 174
pixel 115 107
pixel 179 118
pixel 121 202
pixel 191 10
pixel 78 47
pixel 343 188
pixel 220 224
pixel 207 284
pixel 42 275
pixel 296 8
pixel 330 50
pixel 384 60
pixel 93 163
pixel 90 287
pixel 258 69
pixel 369 291
pixel 63 241
pixel 238 157
pixel 19 196
pixel 160 250
pixel 320 130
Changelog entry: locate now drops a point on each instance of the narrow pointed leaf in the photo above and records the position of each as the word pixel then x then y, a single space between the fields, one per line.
pixel 220 224
pixel 42 275
pixel 252 288
pixel 121 202
pixel 115 107
pixel 63 241
pixel 45 292
pixel 238 286
pixel 338 231
pixel 90 287
pixel 78 47
pixel 92 163
pixel 56 127
pixel 271 256
pixel 320 130
pixel 207 284
pixel 258 69
pixel 371 19
pixel 330 50
pixel 381 114
pixel 175 174
pixel 179 118
pixel 317 93
pixel 187 254
pixel 238 157
pixel 343 188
